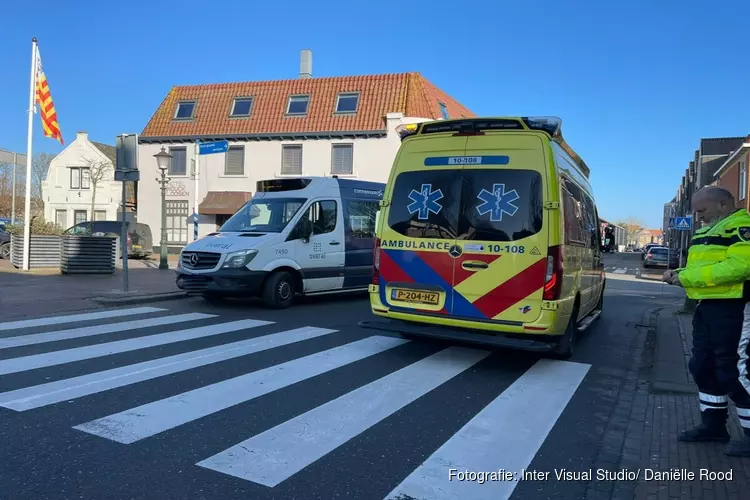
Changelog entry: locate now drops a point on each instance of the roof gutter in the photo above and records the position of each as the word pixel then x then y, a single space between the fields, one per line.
pixel 745 146
pixel 282 136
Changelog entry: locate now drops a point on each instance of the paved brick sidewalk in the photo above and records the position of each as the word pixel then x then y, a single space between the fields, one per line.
pixel 31 294
pixel 664 415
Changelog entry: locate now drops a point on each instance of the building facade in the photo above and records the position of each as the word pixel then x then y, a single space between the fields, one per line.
pixel 69 185
pixel 732 175
pixel 344 126
pixel 702 170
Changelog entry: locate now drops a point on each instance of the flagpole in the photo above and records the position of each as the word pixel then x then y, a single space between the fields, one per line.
pixel 27 204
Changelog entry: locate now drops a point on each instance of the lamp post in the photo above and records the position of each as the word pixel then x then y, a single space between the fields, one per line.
pixel 162 161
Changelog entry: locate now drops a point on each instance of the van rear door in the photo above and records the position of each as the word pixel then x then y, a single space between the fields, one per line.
pixel 502 228
pixel 415 266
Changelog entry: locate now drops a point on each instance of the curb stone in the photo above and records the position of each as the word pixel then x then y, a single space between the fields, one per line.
pixel 140 299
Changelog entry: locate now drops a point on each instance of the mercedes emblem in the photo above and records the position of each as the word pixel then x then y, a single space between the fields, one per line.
pixel 194 259
pixel 455 251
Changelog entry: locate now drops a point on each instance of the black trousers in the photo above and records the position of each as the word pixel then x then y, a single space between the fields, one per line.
pixel 719 364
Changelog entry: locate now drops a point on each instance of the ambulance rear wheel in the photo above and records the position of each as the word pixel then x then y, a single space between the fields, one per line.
pixel 564 349
pixel 279 290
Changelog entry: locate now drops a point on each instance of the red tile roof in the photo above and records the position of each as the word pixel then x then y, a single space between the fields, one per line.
pixel 408 93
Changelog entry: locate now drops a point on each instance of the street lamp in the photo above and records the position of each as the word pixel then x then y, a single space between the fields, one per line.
pixel 162 161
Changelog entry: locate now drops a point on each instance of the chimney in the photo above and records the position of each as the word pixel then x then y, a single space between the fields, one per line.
pixel 82 135
pixel 305 64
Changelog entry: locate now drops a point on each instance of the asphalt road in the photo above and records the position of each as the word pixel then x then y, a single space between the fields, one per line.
pixel 238 402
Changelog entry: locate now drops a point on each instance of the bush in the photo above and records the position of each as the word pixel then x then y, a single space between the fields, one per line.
pixel 39 227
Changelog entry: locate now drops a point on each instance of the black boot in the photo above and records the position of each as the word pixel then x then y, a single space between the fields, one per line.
pixel 740 447
pixel 713 428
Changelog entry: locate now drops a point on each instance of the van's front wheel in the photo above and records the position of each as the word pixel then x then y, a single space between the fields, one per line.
pixel 278 290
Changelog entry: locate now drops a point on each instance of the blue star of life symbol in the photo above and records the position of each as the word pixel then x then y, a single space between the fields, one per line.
pixel 425 201
pixel 497 202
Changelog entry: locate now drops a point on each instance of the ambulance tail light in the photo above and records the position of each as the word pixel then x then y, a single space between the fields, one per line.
pixel 376 262
pixel 554 278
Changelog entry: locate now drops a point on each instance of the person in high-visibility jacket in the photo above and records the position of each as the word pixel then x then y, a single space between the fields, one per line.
pixel 718 265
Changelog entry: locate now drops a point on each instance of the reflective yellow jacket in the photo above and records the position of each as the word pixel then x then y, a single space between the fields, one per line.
pixel 718 261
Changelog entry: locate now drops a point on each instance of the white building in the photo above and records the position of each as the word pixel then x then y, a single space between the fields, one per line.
pixel 68 187
pixel 285 128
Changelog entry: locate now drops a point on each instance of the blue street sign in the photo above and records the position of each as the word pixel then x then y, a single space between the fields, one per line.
pixel 670 224
pixel 683 223
pixel 207 148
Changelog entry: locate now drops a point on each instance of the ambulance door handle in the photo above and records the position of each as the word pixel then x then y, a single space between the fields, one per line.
pixel 333 243
pixel 472 265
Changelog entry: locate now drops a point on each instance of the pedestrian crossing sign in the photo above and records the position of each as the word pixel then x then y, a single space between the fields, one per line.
pixel 683 223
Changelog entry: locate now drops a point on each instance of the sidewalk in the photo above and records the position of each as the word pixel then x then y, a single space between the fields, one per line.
pixel 50 292
pixel 671 405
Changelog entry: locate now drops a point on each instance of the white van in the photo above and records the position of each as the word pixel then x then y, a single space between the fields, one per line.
pixel 296 236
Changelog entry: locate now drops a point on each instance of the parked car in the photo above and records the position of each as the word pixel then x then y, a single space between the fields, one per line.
pixel 646 248
pixel 659 256
pixel 140 242
pixel 4 243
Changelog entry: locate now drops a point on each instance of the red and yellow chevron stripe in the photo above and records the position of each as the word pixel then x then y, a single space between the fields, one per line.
pixel 46 106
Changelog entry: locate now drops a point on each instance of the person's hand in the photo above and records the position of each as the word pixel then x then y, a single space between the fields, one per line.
pixel 668 275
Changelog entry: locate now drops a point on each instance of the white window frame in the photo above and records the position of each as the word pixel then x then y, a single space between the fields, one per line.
pixel 297 98
pixel 192 111
pixel 226 173
pixel 742 181
pixel 347 95
pixel 232 113
pixel 342 146
pixel 82 182
pixel 177 214
pixel 170 171
pixel 284 147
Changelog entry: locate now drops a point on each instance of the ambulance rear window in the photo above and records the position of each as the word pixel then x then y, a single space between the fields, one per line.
pixel 468 204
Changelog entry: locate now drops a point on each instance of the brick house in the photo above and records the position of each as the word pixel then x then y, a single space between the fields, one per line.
pixel 707 161
pixel 344 126
pixel 732 174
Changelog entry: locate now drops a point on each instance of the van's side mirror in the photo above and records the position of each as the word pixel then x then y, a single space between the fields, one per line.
pixel 306 230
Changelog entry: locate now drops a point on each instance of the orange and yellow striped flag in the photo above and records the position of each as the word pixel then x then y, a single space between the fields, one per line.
pixel 47 107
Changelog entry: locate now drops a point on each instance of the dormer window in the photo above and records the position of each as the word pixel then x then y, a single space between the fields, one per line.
pixel 242 106
pixel 297 104
pixel 444 111
pixel 347 102
pixel 185 110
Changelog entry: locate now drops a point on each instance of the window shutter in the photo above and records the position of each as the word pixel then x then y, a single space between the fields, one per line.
pixel 342 159
pixel 291 160
pixel 235 161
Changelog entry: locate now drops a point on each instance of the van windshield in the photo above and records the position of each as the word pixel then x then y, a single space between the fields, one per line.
pixel 266 215
pixel 468 204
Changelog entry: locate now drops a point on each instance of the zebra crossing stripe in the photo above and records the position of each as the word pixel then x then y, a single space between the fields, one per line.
pixel 506 435
pixel 153 418
pixel 88 331
pixel 278 453
pixel 14 365
pixel 64 390
pixel 73 318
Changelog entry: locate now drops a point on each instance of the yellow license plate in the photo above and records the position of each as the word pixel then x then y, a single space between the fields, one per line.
pixel 137 246
pixel 415 297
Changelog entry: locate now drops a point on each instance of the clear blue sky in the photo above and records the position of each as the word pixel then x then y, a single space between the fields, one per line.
pixel 636 84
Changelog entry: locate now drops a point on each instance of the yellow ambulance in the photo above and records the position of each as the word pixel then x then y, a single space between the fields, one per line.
pixel 488 233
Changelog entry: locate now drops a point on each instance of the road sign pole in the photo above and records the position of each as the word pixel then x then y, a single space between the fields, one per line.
pixel 197 187
pixel 13 197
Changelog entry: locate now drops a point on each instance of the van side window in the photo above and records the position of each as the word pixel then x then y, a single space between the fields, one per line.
pixel 573 213
pixel 362 218
pixel 323 216
pixel 591 224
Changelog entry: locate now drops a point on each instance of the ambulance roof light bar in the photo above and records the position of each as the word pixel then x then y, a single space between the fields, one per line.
pixel 551 125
